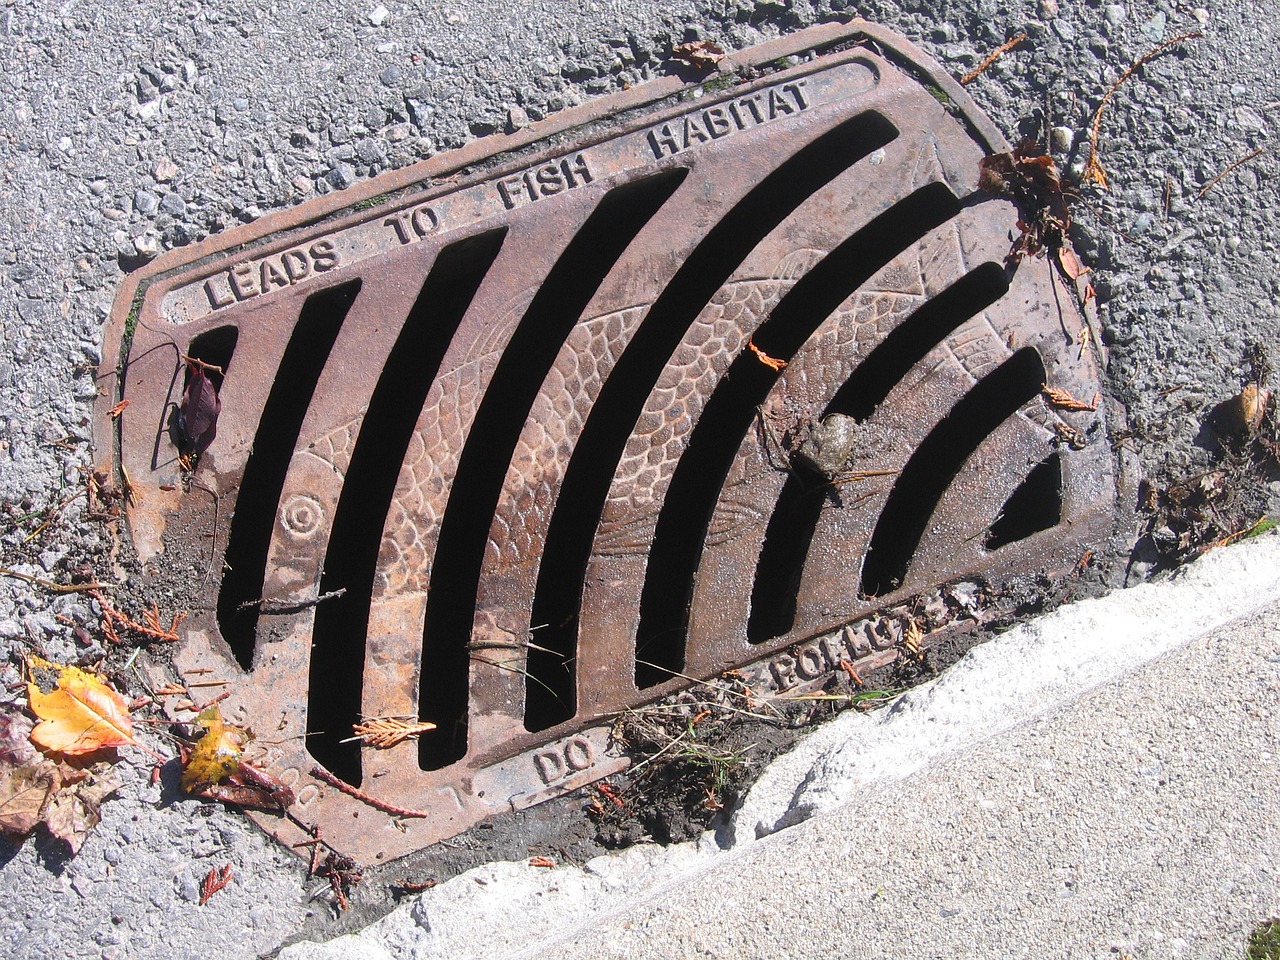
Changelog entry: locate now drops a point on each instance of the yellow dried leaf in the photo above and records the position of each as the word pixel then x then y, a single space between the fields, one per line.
pixel 217 755
pixel 82 715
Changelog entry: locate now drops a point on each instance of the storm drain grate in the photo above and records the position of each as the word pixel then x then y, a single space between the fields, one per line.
pixel 522 411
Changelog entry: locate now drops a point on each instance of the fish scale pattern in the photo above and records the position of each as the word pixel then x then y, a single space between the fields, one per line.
pixel 553 425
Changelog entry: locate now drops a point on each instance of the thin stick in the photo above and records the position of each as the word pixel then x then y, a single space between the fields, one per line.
pixel 1093 169
pixel 50 585
pixel 290 606
pixel 54 515
pixel 652 757
pixel 320 773
pixel 992 57
pixel 1209 186
pixel 702 683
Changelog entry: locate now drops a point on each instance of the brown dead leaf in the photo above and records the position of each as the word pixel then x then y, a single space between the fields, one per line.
pixel 73 809
pixel 252 789
pixel 1250 405
pixel 385 732
pixel 15 736
pixel 699 54
pixel 81 716
pixel 1065 401
pixel 119 408
pixel 1070 263
pixel 1031 180
pixel 24 791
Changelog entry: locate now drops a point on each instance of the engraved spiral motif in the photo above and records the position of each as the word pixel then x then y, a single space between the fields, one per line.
pixel 302 516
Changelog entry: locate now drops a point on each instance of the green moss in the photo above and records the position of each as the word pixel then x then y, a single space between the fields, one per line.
pixel 718 84
pixel 130 327
pixel 939 94
pixel 370 202
pixel 1264 942
pixel 1261 527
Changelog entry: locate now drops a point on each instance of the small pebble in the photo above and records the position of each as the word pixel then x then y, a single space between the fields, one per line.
pixel 378 15
pixel 165 170
pixel 145 202
pixel 391 76
pixel 1062 139
pixel 1114 13
pixel 341 176
pixel 148 245
pixel 188 888
pixel 516 118
pixel 173 205
pixel 1153 29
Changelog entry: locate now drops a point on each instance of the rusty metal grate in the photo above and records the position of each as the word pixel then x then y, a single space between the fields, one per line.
pixel 514 404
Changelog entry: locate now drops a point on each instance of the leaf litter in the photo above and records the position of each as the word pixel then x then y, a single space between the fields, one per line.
pixel 56 773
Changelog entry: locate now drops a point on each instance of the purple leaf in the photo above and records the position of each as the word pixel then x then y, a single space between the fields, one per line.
pixel 198 412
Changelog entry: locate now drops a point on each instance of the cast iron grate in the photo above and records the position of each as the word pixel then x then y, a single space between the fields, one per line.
pixel 511 407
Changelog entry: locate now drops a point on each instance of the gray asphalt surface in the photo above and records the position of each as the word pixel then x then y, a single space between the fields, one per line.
pixel 125 131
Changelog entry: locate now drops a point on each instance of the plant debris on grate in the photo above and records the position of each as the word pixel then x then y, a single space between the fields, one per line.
pixel 476 457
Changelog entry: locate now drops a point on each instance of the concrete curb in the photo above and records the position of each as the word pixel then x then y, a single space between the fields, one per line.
pixel 513 910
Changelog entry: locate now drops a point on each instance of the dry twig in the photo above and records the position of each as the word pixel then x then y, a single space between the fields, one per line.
pixel 50 585
pixel 1093 169
pixel 992 57
pixel 214 881
pixel 773 363
pixel 1245 159
pixel 320 773
pixel 151 627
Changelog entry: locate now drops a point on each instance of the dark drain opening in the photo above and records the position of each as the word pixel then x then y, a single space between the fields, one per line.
pixel 938 460
pixel 699 476
pixel 1035 505
pixel 795 515
pixel 341 625
pixel 482 466
pixel 264 474
pixel 612 419
pixel 213 347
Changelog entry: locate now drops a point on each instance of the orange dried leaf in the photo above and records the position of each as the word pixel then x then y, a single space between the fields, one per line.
pixel 118 409
pixel 541 862
pixel 82 715
pixel 217 755
pixel 1064 400
pixel 773 363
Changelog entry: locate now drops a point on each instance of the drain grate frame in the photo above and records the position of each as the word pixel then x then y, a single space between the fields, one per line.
pixel 548 336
